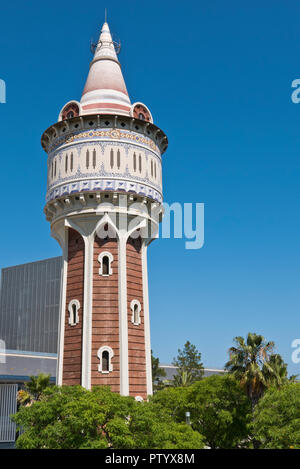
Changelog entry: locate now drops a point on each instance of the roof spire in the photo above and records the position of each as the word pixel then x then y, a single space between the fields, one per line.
pixel 105 15
pixel 105 90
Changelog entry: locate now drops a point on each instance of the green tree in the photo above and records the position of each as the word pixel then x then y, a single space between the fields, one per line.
pixel 219 409
pixel 188 360
pixel 155 428
pixel 277 418
pixel 71 417
pixel 33 389
pixel 173 400
pixel 246 364
pixel 275 371
pixel 157 374
pixel 183 379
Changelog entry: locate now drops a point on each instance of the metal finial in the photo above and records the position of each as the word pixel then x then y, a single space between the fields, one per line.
pixel 105 15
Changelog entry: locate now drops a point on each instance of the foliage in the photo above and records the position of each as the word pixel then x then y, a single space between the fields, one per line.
pixel 246 363
pixel 157 373
pixel 183 378
pixel 275 371
pixel 277 418
pixel 33 389
pixel 70 417
pixel 188 360
pixel 154 427
pixel 219 409
pixel 174 401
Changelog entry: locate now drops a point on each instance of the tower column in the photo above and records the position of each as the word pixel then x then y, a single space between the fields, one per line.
pixel 147 320
pixel 88 311
pixel 62 306
pixel 123 321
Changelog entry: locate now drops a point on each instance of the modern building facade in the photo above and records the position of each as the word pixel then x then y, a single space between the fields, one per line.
pixel 103 202
pixel 29 307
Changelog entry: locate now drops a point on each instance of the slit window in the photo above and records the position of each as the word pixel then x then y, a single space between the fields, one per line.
pixel 105 355
pixel 118 159
pixel 105 361
pixel 94 158
pixel 105 268
pixel 87 159
pixel 111 158
pixel 72 162
pixel 105 259
pixel 134 161
pixel 66 163
pixel 73 309
pixel 140 163
pixel 135 314
pixel 135 306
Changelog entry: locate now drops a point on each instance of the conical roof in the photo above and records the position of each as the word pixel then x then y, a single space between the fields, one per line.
pixel 105 90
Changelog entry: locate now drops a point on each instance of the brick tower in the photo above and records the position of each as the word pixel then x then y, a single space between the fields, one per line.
pixel 103 201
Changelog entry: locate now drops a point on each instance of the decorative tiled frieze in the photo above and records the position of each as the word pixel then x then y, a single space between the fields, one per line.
pixel 104 185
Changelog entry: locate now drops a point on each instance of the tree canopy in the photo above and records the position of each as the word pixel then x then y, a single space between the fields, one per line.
pixel 188 362
pixel 70 417
pixel 219 409
pixel 276 422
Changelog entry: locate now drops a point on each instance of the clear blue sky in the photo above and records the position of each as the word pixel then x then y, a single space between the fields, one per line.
pixel 217 77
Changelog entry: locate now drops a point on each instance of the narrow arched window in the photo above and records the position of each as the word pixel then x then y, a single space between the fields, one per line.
pixel 105 355
pixel 87 159
pixel 66 163
pixel 72 162
pixel 135 306
pixel 55 168
pixel 105 361
pixel 73 309
pixel 118 159
pixel 105 259
pixel 151 168
pixel 155 170
pixel 140 163
pixel 52 170
pixel 136 314
pixel 134 161
pixel 111 158
pixel 105 267
pixel 94 158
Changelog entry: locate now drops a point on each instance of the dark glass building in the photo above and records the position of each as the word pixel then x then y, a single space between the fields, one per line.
pixel 29 306
pixel 29 309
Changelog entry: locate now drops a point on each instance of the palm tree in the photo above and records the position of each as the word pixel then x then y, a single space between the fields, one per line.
pixel 33 389
pixel 275 371
pixel 246 364
pixel 183 379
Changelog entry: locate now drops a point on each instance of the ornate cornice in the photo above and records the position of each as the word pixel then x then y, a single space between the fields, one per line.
pixel 68 130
